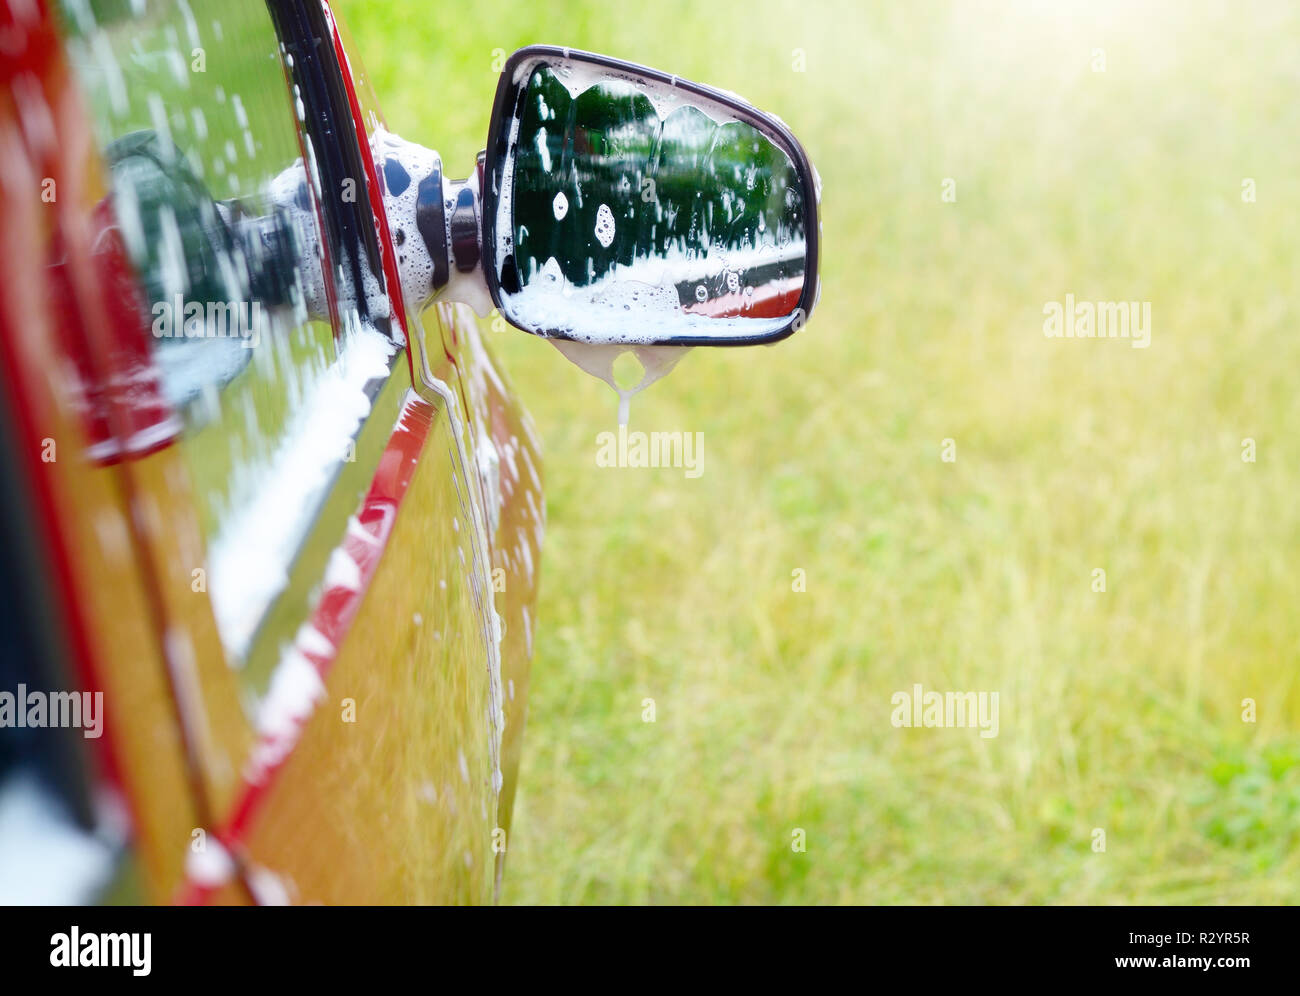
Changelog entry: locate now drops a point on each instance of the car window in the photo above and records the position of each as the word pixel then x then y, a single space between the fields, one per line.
pixel 202 129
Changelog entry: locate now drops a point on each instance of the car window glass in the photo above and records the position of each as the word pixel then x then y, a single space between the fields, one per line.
pixel 202 134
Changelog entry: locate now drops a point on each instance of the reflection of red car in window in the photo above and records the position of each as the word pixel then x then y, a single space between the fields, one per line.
pixel 774 299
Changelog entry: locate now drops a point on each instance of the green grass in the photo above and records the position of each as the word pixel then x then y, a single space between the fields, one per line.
pixel 1119 710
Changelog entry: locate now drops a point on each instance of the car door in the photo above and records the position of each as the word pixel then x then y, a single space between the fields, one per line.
pixel 450 352
pixel 317 527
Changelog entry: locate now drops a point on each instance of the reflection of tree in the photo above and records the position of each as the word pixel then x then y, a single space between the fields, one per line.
pixel 682 184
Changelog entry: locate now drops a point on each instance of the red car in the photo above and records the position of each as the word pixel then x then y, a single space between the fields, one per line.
pixel 272 515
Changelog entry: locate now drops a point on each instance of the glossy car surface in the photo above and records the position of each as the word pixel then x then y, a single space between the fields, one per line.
pixel 301 570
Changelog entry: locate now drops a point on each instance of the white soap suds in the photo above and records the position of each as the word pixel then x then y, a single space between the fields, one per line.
pixel 268 888
pixel 640 302
pixel 211 867
pixel 342 571
pixel 357 531
pixel 414 264
pixel 45 858
pixel 543 150
pixel 296 688
pixel 313 641
pixel 286 192
pixel 249 559
pixel 598 360
pixel 605 226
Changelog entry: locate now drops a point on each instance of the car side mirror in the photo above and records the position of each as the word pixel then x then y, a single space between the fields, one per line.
pixel 623 205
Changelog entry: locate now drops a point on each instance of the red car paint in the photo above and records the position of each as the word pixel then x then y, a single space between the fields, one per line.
pixel 104 340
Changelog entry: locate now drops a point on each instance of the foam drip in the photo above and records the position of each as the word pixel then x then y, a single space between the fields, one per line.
pixel 598 360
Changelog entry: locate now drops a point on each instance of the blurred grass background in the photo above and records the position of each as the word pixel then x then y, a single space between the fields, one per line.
pixel 1120 710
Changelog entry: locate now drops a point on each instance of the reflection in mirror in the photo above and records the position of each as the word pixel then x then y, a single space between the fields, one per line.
pixel 219 215
pixel 640 212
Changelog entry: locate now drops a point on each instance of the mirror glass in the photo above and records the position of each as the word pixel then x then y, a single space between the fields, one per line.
pixel 632 210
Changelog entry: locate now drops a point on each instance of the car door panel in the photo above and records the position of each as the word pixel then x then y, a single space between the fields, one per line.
pixel 391 795
pixel 509 469
pixel 73 410
pixel 359 743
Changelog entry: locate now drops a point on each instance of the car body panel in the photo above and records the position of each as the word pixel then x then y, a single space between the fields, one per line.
pixel 507 452
pixel 93 547
pixel 392 779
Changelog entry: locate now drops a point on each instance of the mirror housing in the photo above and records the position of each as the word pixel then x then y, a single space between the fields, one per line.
pixel 624 205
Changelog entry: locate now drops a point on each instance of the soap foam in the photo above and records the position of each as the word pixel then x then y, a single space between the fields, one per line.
pixel 598 360
pixel 414 263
